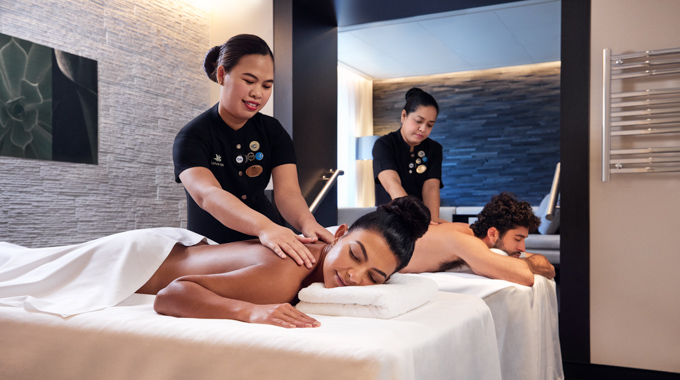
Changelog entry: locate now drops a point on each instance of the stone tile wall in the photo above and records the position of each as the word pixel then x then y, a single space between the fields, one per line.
pixel 500 129
pixel 151 83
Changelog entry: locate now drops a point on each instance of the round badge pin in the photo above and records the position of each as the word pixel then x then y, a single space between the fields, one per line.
pixel 421 169
pixel 250 156
pixel 418 161
pixel 239 159
pixel 259 156
pixel 424 159
pixel 421 154
pixel 254 171
pixel 238 146
pixel 254 146
pixel 411 165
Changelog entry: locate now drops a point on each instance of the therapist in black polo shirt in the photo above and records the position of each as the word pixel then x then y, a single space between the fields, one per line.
pixel 407 161
pixel 225 157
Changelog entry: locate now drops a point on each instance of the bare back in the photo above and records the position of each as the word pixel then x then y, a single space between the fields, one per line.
pixel 434 251
pixel 205 259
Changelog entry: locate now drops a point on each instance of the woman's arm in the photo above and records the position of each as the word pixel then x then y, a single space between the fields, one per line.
pixel 432 199
pixel 292 204
pixel 390 180
pixel 243 295
pixel 230 211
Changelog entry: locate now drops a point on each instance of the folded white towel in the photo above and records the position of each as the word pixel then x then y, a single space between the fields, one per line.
pixel 402 293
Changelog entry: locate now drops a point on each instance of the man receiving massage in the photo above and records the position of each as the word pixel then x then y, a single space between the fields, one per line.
pixel 241 280
pixel 503 224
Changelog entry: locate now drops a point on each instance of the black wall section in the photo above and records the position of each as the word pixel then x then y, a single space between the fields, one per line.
pixel 574 146
pixel 306 50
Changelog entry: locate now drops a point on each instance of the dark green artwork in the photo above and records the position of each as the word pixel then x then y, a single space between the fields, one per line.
pixel 48 103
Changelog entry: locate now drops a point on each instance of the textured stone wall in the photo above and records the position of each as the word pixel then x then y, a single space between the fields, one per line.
pixel 149 56
pixel 500 129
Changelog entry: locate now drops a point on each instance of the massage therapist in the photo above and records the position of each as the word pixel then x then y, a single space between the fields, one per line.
pixel 407 161
pixel 225 157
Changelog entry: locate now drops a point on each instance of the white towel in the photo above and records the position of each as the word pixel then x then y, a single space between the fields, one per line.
pixel 402 293
pixel 85 277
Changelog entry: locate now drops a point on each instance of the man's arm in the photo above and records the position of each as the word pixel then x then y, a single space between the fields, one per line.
pixel 539 264
pixel 452 241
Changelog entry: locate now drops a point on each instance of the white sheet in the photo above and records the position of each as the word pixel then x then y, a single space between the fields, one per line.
pixel 84 277
pixel 401 293
pixel 451 337
pixel 525 318
pixel 526 321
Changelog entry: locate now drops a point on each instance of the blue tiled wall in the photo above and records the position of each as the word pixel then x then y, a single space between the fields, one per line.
pixel 500 129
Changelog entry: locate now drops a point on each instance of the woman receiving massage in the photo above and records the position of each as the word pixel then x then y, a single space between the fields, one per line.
pixel 240 280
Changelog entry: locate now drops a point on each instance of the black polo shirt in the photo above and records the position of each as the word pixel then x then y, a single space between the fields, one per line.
pixel 241 161
pixel 391 152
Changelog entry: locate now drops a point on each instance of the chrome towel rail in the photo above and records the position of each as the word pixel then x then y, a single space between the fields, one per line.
pixel 324 191
pixel 632 115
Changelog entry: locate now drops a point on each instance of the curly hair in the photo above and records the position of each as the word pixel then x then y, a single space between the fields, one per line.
pixel 505 212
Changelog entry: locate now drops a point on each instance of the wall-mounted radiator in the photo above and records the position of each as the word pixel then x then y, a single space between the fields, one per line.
pixel 641 112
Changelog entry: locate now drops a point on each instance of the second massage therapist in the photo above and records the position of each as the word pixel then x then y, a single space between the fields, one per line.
pixel 407 161
pixel 225 156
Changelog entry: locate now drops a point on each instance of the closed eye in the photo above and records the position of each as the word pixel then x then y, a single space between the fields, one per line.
pixel 351 253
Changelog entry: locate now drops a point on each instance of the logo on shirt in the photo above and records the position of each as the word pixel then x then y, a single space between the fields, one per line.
pixel 217 161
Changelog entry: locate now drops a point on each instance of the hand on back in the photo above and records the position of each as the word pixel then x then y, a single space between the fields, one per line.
pixel 284 241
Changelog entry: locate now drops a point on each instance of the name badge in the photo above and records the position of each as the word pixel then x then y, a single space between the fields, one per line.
pixel 254 171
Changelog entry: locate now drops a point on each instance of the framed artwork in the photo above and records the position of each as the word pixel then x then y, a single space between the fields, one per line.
pixel 48 103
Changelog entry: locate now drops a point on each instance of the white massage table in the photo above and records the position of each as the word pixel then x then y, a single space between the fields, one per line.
pixel 450 337
pixel 525 318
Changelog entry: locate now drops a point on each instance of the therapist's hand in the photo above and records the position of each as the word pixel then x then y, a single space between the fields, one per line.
pixel 438 221
pixel 317 232
pixel 284 241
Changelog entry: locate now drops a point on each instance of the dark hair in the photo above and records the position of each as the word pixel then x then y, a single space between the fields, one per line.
pixel 416 97
pixel 505 212
pixel 401 222
pixel 230 53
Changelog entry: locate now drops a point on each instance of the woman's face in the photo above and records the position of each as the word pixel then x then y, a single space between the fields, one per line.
pixel 359 258
pixel 245 89
pixel 416 126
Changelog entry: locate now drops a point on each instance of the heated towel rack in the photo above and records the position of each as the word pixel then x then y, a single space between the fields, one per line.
pixel 640 112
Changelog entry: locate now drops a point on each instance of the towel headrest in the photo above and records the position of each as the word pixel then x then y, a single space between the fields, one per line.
pixel 402 293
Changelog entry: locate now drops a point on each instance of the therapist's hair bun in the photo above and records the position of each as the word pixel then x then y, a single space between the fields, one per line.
pixel 401 222
pixel 412 92
pixel 210 63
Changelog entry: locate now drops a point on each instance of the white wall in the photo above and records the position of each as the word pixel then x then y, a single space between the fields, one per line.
pixel 150 84
pixel 634 249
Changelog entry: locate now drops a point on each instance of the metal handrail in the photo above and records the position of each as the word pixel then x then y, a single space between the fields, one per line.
pixel 324 191
pixel 554 193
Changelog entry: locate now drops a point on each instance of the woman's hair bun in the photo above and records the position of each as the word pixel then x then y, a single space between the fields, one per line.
pixel 210 63
pixel 412 211
pixel 400 222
